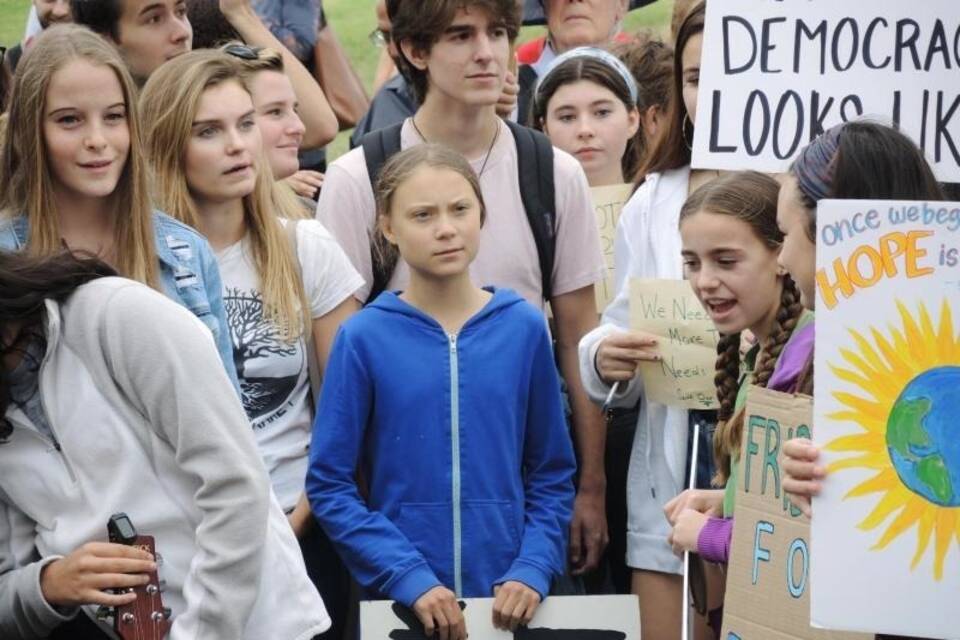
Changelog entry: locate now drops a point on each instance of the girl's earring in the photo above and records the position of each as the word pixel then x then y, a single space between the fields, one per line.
pixel 687 125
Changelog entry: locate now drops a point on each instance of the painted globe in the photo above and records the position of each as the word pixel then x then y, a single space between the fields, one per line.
pixel 923 436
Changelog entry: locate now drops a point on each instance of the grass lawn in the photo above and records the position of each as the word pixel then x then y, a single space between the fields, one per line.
pixel 353 21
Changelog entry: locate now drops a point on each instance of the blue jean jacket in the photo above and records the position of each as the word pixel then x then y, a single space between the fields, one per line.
pixel 188 274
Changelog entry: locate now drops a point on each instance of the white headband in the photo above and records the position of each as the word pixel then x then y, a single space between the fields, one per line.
pixel 597 54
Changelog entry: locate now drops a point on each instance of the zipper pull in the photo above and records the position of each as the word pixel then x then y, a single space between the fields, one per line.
pixel 453 342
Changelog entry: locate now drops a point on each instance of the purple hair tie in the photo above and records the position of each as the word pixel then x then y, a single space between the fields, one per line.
pixel 813 168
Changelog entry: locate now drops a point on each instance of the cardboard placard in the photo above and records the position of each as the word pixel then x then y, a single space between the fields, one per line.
pixel 687 342
pixel 886 531
pixel 780 72
pixel 768 585
pixel 557 618
pixel 607 204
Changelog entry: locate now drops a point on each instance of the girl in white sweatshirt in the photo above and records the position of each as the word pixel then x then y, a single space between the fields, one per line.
pixel 112 398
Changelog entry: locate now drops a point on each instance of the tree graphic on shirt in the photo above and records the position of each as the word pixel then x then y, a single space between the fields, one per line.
pixel 253 337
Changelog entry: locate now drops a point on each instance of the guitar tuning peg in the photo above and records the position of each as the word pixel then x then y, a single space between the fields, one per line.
pixel 104 613
pixel 163 585
pixel 167 613
pixel 158 559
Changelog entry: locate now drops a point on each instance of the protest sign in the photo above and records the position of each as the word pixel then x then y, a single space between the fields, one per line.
pixel 558 618
pixel 768 586
pixel 686 341
pixel 780 72
pixel 886 532
pixel 607 204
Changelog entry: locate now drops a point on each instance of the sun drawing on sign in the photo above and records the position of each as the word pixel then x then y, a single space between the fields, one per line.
pixel 907 405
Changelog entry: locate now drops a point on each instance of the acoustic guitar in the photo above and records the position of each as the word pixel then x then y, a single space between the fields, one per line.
pixel 145 618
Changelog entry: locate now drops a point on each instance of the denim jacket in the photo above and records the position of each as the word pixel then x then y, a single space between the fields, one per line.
pixel 188 274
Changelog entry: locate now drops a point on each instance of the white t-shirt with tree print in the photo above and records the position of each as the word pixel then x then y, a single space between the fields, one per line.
pixel 274 375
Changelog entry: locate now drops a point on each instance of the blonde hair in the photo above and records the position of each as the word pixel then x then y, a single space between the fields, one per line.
pixel 28 183
pixel 285 200
pixel 170 100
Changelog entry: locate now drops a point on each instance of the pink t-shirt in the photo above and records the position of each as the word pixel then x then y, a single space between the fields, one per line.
pixel 508 252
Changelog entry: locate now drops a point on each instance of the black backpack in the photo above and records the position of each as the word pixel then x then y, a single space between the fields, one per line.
pixel 535 173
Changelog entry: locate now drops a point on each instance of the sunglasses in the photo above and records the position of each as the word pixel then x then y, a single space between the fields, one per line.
pixel 379 38
pixel 243 52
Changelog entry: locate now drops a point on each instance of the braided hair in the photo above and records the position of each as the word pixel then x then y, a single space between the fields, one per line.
pixel 750 197
pixel 729 434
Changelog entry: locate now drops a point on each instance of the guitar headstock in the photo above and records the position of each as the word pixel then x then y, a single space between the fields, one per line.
pixel 145 618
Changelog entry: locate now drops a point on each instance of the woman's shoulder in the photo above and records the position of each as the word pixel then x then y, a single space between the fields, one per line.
pixel 165 225
pixel 173 237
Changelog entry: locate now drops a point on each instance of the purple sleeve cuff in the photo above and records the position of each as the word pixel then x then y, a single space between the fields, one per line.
pixel 713 544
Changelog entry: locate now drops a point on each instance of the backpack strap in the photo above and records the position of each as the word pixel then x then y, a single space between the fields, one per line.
pixel 538 192
pixel 313 366
pixel 378 147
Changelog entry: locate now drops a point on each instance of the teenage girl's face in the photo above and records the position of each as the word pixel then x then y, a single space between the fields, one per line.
pixel 280 127
pixel 732 272
pixel 85 130
pixel 690 70
pixel 435 222
pixel 798 256
pixel 591 123
pixel 220 160
pixel 469 62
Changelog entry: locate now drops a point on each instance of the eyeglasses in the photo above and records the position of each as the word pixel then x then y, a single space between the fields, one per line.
pixel 380 37
pixel 243 52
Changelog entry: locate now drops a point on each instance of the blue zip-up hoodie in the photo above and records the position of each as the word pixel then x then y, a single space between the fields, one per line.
pixel 461 441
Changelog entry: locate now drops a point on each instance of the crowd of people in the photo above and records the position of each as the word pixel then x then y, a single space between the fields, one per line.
pixel 385 378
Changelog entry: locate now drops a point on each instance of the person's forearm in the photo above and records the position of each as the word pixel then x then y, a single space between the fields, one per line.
pixel 589 433
pixel 318 117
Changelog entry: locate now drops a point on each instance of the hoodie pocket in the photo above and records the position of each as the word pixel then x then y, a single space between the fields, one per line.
pixel 429 527
pixel 491 543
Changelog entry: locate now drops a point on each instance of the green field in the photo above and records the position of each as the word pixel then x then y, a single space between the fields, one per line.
pixel 353 20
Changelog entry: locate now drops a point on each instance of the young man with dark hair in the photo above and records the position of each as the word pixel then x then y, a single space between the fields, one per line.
pixel 455 54
pixel 149 32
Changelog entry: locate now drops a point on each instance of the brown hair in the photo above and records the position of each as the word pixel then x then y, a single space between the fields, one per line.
pixel 595 71
pixel 422 23
pixel 25 171
pixel 751 197
pixel 398 170
pixel 650 60
pixel 670 150
pixel 26 283
pixel 170 100
pixel 681 9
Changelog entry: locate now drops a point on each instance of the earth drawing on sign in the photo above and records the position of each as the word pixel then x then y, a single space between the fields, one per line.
pixel 923 436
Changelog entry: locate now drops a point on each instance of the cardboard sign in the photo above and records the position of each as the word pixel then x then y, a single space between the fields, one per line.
pixel 607 204
pixel 557 618
pixel 768 585
pixel 775 74
pixel 886 531
pixel 687 341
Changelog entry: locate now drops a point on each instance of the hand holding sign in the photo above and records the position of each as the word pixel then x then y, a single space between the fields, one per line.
pixel 438 611
pixel 620 354
pixel 514 605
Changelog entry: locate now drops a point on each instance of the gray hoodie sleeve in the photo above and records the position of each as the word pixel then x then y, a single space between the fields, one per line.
pixel 166 363
pixel 24 613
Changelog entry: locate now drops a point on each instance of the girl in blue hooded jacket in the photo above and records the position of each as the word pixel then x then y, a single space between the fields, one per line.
pixel 445 397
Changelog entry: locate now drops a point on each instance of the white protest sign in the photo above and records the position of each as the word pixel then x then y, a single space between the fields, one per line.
pixel 885 545
pixel 775 73
pixel 558 618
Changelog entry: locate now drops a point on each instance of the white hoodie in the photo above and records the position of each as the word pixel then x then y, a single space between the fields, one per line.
pixel 145 421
